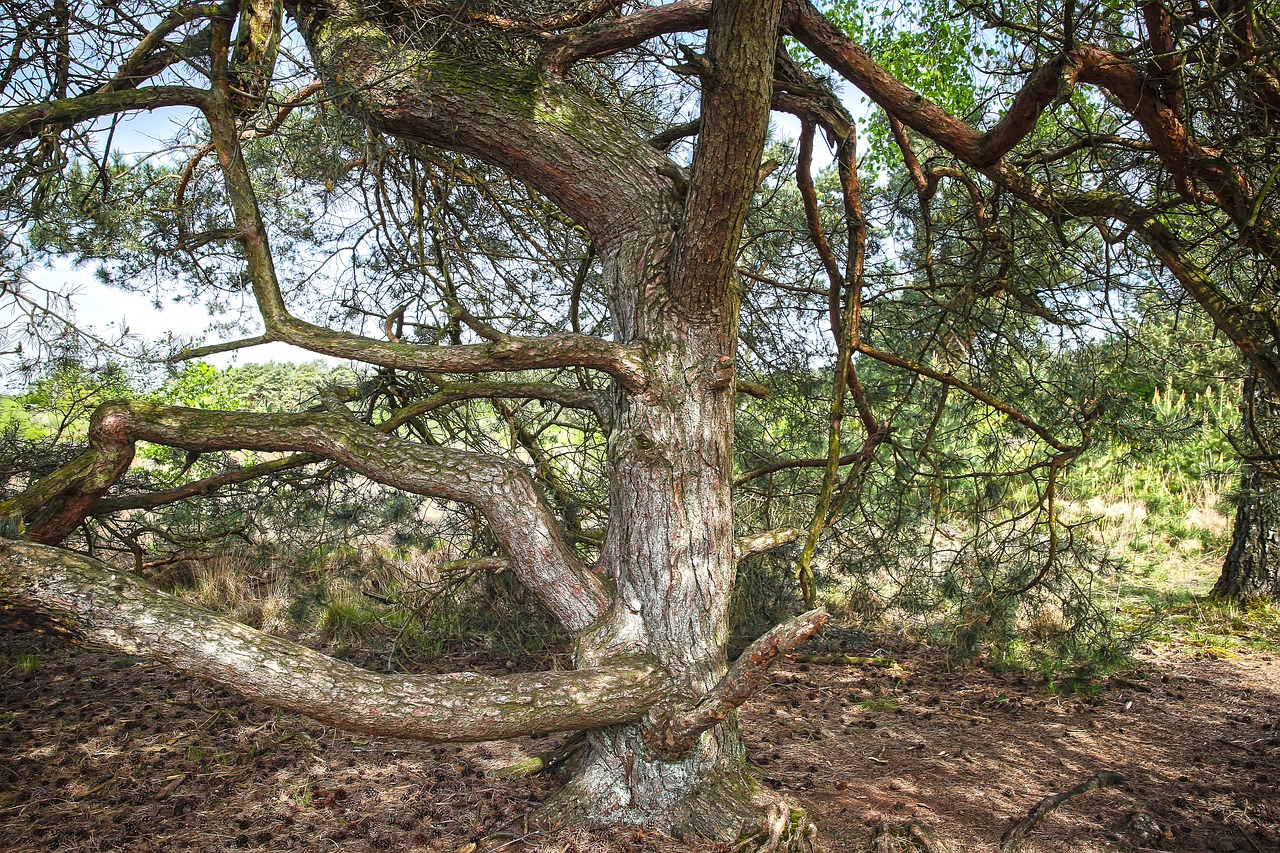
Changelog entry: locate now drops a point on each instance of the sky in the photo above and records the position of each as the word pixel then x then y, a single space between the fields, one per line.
pixel 103 311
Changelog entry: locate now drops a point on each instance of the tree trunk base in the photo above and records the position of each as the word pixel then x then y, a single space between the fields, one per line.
pixel 617 782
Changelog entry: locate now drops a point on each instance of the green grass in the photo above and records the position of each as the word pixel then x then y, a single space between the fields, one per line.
pixel 25 664
pixel 878 703
pixel 1215 628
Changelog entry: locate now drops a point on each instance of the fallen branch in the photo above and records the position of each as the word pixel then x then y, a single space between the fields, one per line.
pixel 1255 747
pixel 1012 839
pixel 968 718
pixel 543 762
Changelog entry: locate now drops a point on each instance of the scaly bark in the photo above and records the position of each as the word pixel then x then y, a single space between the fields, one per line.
pixel 670 540
pixel 1251 569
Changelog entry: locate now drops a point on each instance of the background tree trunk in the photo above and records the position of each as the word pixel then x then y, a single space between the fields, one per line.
pixel 1252 566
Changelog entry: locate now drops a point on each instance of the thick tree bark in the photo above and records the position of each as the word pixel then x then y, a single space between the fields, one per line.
pixel 667 268
pixel 670 545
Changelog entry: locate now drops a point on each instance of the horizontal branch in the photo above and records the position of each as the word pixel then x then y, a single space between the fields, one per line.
pixel 501 489
pixel 112 608
pixel 672 135
pixel 678 733
pixel 789 464
pixel 193 353
pixel 610 36
pixel 574 398
pixel 203 486
pixel 511 353
pixel 23 123
pixel 752 389
pixel 766 540
pixel 565 396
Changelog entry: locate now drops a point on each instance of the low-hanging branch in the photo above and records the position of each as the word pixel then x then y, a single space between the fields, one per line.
pixel 501 489
pixel 452 393
pixel 27 122
pixel 113 608
pixel 1250 329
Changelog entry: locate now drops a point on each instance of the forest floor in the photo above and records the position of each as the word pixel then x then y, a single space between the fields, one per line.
pixel 102 752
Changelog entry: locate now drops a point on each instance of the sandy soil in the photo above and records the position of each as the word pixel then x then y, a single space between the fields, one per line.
pixel 99 752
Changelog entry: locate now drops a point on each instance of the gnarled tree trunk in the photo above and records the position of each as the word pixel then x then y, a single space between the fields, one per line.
pixel 668 245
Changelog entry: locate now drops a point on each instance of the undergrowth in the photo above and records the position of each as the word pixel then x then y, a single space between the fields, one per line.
pixel 394 609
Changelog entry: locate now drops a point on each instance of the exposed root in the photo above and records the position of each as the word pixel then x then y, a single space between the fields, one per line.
pixel 783 829
pixel 909 837
pixel 1012 839
pixel 726 805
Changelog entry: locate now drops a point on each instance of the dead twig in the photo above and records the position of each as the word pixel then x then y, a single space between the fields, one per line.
pixel 846 660
pixel 1254 747
pixel 170 788
pixel 969 718
pixel 1012 839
